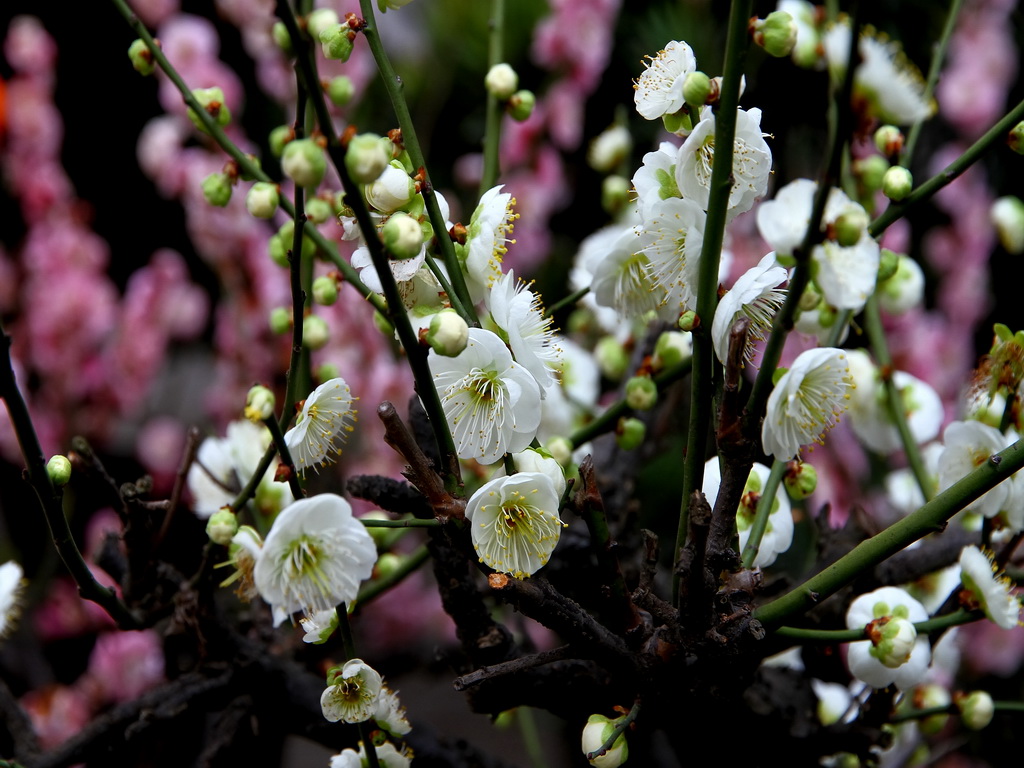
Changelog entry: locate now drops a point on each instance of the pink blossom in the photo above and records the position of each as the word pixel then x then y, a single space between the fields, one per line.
pixel 124 665
pixel 62 245
pixel 28 48
pixel 57 713
pixel 155 12
pixel 159 446
pixel 158 150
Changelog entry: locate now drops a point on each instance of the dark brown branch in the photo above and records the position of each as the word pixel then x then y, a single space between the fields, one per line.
pixel 511 667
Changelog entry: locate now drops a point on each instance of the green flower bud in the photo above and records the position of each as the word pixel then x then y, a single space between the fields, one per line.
pixel 801 479
pixel 888 263
pixel 1007 215
pixel 325 290
pixel 697 89
pixel 326 372
pixel 595 733
pixel 262 200
pixel 59 470
pixel 851 225
pixel 448 333
pixel 319 20
pixel 212 102
pixel 521 104
pixel 366 157
pixel 281 37
pixel 1015 139
pixel 672 349
pixel 259 404
pixel 976 709
pixel 304 163
pixel 280 320
pixel 319 210
pixel 279 138
pixel 388 564
pixel 337 42
pixel 560 449
pixel 283 241
pixel 217 189
pixel 611 358
pixel 615 193
pixel 315 333
pixel 222 527
pixel 929 696
pixel 611 147
pixel 809 299
pixel 776 34
pixel 871 170
pixel 629 433
pixel 892 640
pixel 641 393
pixel 688 321
pixel 402 236
pixel 889 140
pixel 897 183
pixel 501 81
pixel 141 58
pixel 340 90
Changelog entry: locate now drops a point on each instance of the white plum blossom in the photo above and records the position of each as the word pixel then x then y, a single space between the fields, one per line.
pixel 655 179
pixel 487 240
pixel 968 445
pixel 757 296
pixel 325 422
pixel 320 626
pixel 389 713
pixel 778 535
pixel 518 313
pixel 352 692
pixel 388 755
pixel 533 460
pixel 659 90
pixel 751 164
pixel 12 585
pixel 992 591
pixel 392 190
pixel 514 522
pixel 806 402
pixel 314 557
pixel 492 403
pixel 867 658
pixel 671 238
pixel 621 280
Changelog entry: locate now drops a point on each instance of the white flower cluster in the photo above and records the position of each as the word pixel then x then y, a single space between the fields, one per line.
pixel 356 693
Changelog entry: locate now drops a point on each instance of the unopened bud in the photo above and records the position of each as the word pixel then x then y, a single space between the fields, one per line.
pixel 595 733
pixel 630 433
pixel 448 334
pixel 304 163
pixel 501 81
pixel 614 193
pixel 141 58
pixel 611 358
pixel 366 157
pixel 897 183
pixel 217 189
pixel 319 210
pixel 672 348
pixel 259 405
pixel 315 333
pixel 776 33
pixel 281 37
pixel 1007 215
pixel 326 372
pixel 280 320
pixel 904 290
pixel 211 100
pixel 279 138
pixel 611 147
pixel 340 90
pixel 871 170
pixel 892 640
pixel 688 321
pixel 801 479
pixel 281 243
pixel 697 89
pixel 222 527
pixel 521 104
pixel 560 449
pixel 336 42
pixel 387 565
pixel 321 19
pixel 888 263
pixel 262 200
pixel 976 709
pixel 851 225
pixel 1015 139
pixel 393 189
pixel 931 696
pixel 59 470
pixel 809 299
pixel 402 236
pixel 889 140
pixel 325 290
pixel 641 393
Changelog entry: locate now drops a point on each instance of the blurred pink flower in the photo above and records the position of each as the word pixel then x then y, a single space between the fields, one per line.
pixel 28 47
pixel 57 712
pixel 124 665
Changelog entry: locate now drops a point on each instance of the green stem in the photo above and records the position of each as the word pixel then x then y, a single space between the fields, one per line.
pixel 930 518
pixel 763 512
pixel 531 736
pixel 853 635
pixel 395 87
pixel 492 127
pixel 701 388
pixel 410 564
pixel 568 301
pixel 973 153
pixel 412 522
pixel 286 457
pixel 894 398
pixel 295 279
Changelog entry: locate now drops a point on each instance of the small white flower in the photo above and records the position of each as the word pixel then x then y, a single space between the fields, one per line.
pixel 778 535
pixel 874 611
pixel 12 585
pixel 326 419
pixel 751 164
pixel 532 460
pixel 672 238
pixel 990 589
pixel 968 445
pixel 659 90
pixel 655 180
pixel 869 407
pixel 352 693
pixel 755 295
pixel 492 403
pixel 834 701
pixel 514 522
pixel 621 278
pixel 314 557
pixel 518 313
pixel 806 402
pixel 388 756
pixel 320 626
pixel 487 240
pixel 392 190
pixel 390 714
pixel 610 148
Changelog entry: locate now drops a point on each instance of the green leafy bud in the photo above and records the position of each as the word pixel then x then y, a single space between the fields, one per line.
pixel 279 137
pixel 930 696
pixel 337 42
pixel 611 358
pixel 871 170
pixel 141 57
pixel 801 479
pixel 1007 215
pixel 1015 139
pixel 325 290
pixel 776 34
pixel 59 470
pixel 889 140
pixel 222 527
pixel 976 709
pixel 367 157
pixel 262 200
pixel 672 349
pixel 304 163
pixel 641 393
pixel 680 123
pixel 688 321
pixel 211 100
pixel 595 733
pixel 697 89
pixel 319 210
pixel 501 81
pixel 217 189
pixel 259 404
pixel 448 334
pixel 340 90
pixel 280 320
pixel 326 372
pixel 285 239
pixel 629 433
pixel 281 37
pixel 384 325
pixel 402 236
pixel 897 183
pixel 851 225
pixel 321 19
pixel 315 333
pixel 388 564
pixel 521 104
pixel 889 262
